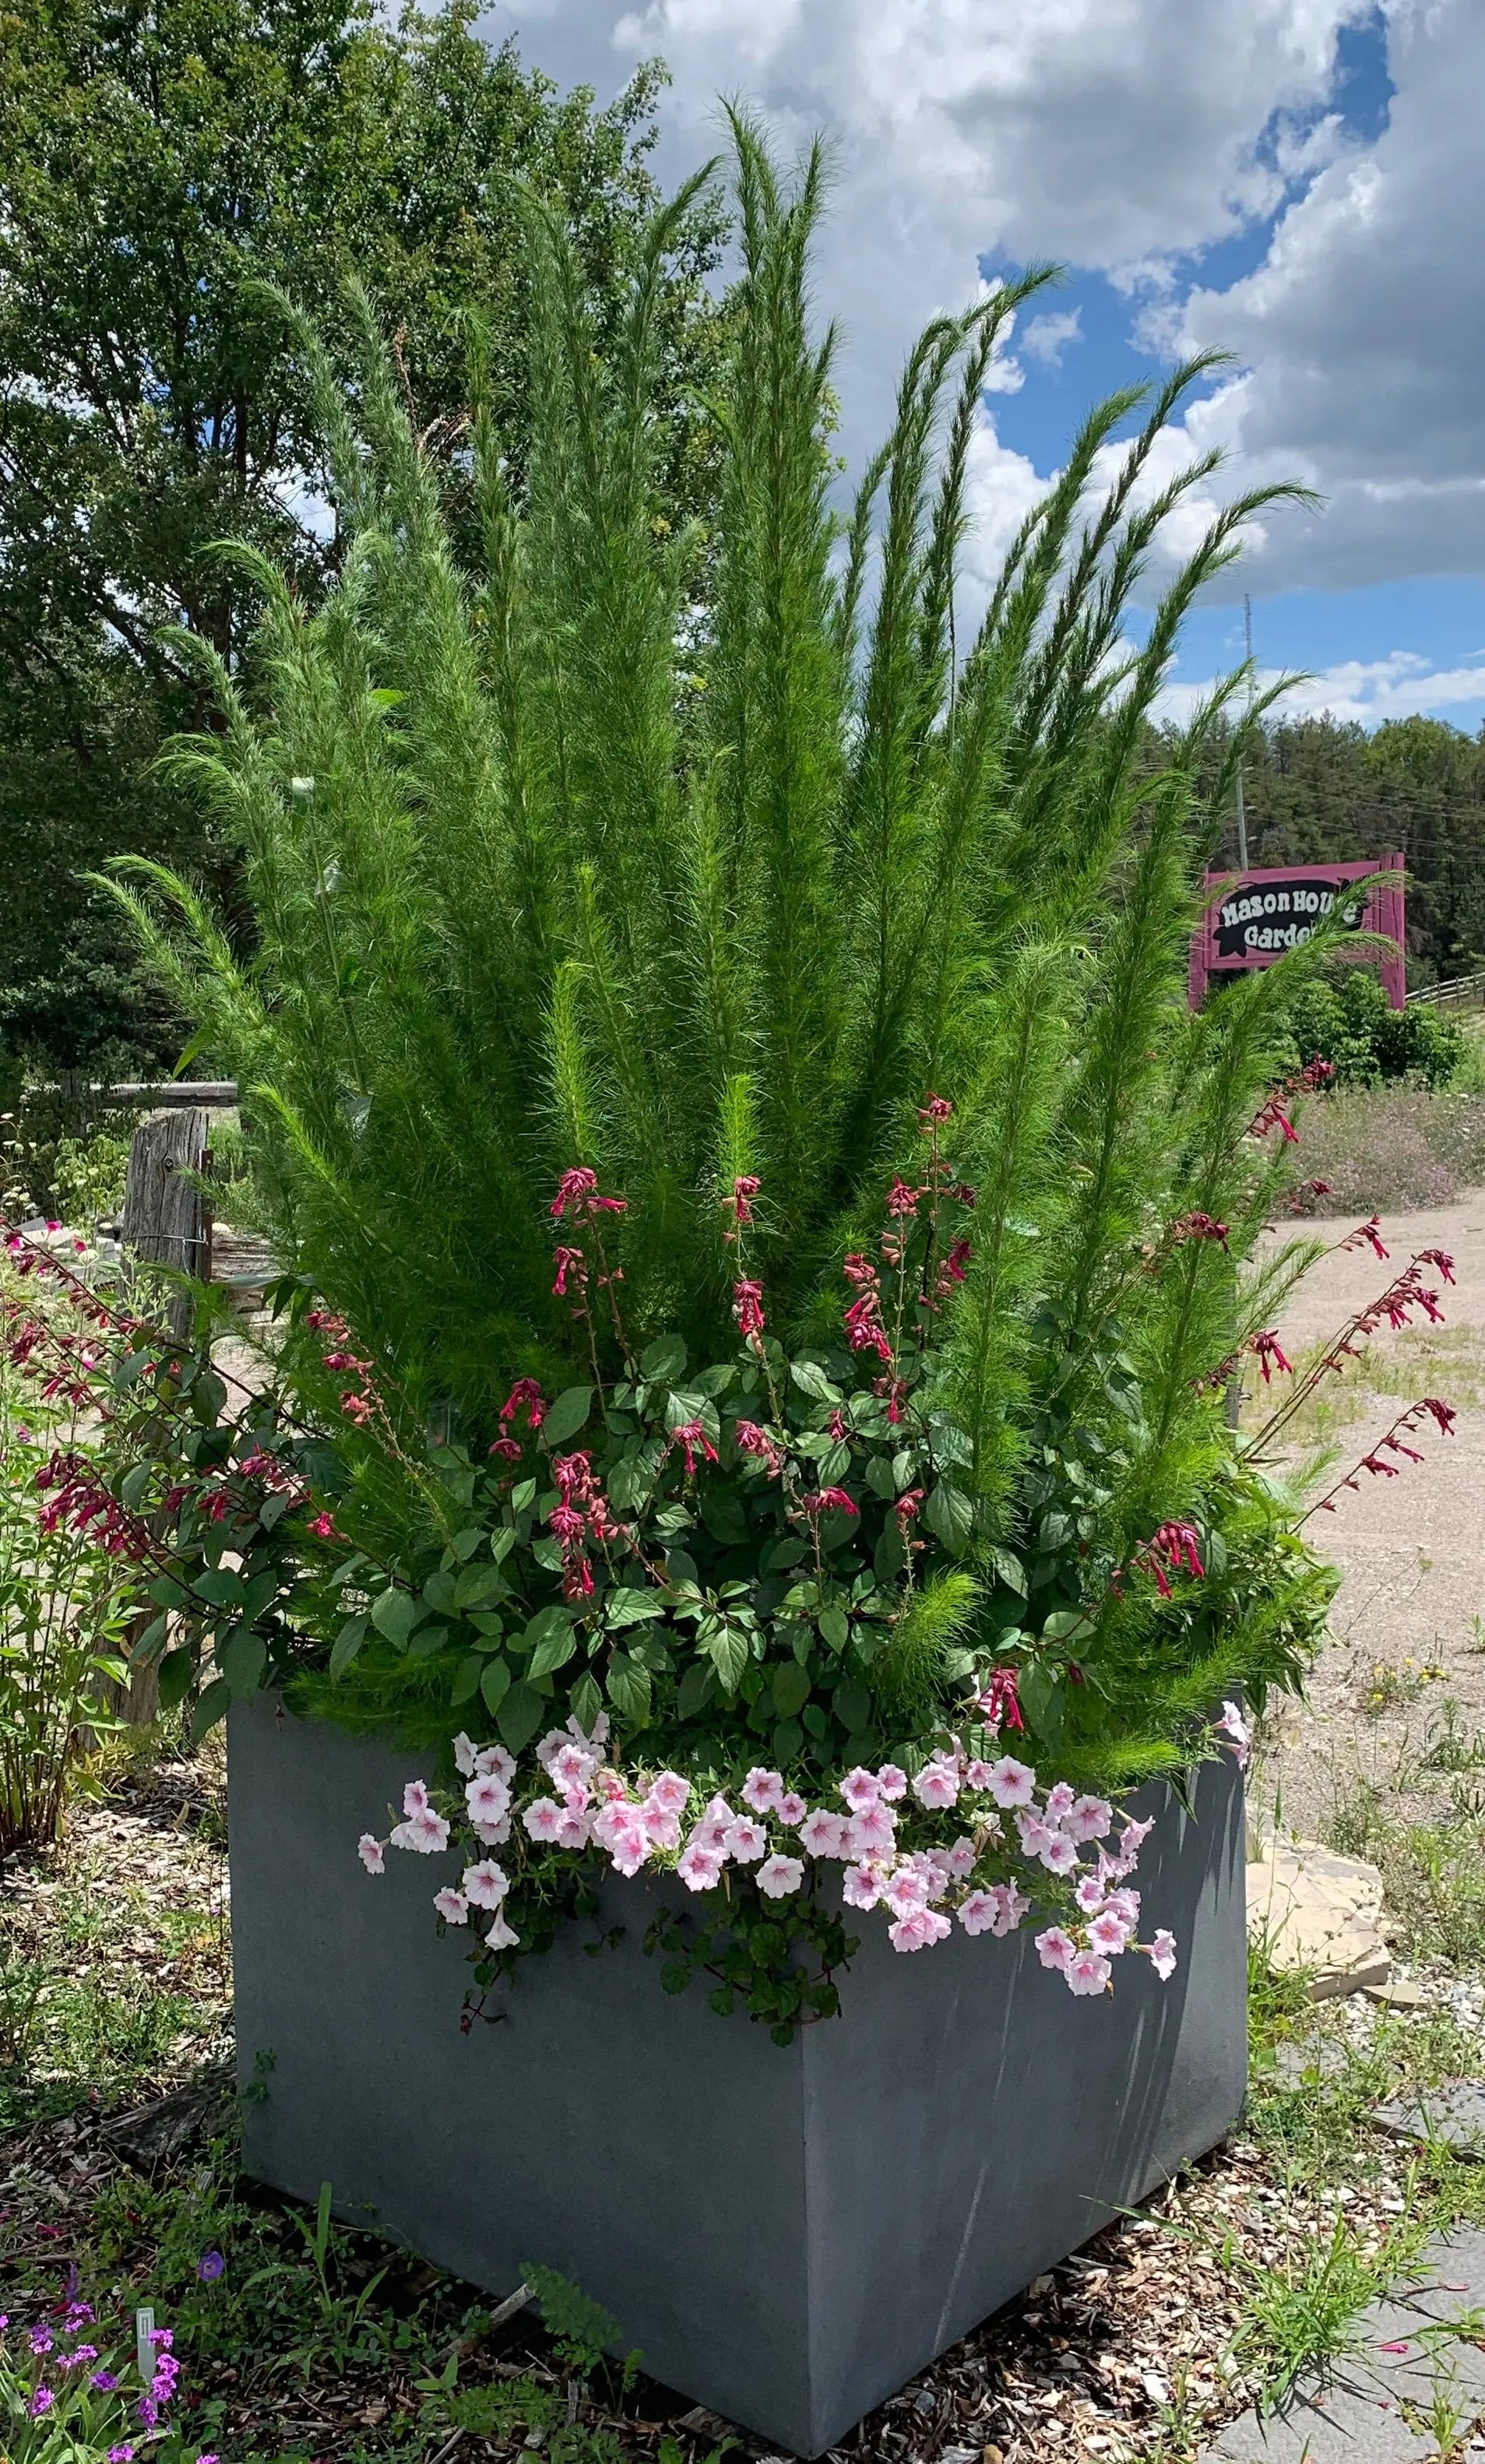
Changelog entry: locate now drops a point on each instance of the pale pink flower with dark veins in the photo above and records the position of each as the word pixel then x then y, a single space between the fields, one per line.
pixel 699 1869
pixel 790 1810
pixel 662 1830
pixel 961 1859
pixel 415 1799
pixel 1108 1934
pixel 496 1759
pixel 981 1913
pixel 426 1834
pixel 368 1848
pixel 493 1834
pixel 608 1784
pixel 1233 1727
pixel 862 1888
pixel 905 1890
pixel 1014 1906
pixel 1057 1854
pixel 1162 1954
pixel 1086 1973
pixel 543 1819
pixel 711 1832
pixel 1126 1903
pixel 780 1877
pixel 487 1797
pixel 502 1935
pixel 577 1830
pixel 669 1792
pixel 763 1790
pixel 916 1932
pixel 871 1832
pixel 860 1788
pixel 937 1786
pixel 620 1830
pixel 571 1768
pixel 1055 1948
pixel 1132 1838
pixel 464 1755
pixel 823 1834
pixel 452 1907
pixel 484 1886
pixel 1033 1833
pixel 1060 1803
pixel 746 1841
pixel 892 1782
pixel 1089 1895
pixel 1092 1817
pixel 1011 1783
pixel 976 1778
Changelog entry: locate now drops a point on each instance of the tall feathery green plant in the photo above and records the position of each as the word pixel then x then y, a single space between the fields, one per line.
pixel 572 861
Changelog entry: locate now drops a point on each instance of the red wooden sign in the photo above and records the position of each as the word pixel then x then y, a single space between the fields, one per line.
pixel 1254 917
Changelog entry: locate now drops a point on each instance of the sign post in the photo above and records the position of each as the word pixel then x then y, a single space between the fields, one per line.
pixel 1254 917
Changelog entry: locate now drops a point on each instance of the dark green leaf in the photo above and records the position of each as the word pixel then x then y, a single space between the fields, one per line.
pixel 348 1642
pixel 663 1361
pixel 242 1660
pixel 629 1689
pixel 812 1380
pixel 836 1627
pixel 1010 1571
pixel 224 1588
pixel 467 1678
pixel 520 1714
pixel 567 1414
pixel 626 1607
pixel 395 1614
pixel 176 1671
pixel 586 1702
pixel 213 1706
pixel 477 1585
pixel 465 1543
pixel 791 1689
pixel 428 1641
pixel 950 1515
pixel 788 1743
pixel 853 1706
pixel 151 1641
pixel 134 1484
pixel 494 1683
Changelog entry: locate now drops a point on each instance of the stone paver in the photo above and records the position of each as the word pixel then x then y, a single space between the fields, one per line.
pixel 1418 2344
pixel 1316 1912
pixel 1453 2113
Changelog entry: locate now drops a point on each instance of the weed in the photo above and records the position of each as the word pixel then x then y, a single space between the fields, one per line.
pixel 1304 2315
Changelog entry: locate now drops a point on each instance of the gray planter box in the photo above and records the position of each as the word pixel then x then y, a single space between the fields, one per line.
pixel 787 2235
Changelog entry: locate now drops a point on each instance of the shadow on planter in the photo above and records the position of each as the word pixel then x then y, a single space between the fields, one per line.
pixel 786 2235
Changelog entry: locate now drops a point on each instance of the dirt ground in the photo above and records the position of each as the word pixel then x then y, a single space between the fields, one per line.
pixel 1406 1660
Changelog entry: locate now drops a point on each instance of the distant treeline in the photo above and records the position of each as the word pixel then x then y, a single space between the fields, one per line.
pixel 1315 789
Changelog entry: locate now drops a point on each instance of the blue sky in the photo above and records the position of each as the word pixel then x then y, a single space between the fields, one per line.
pixel 1299 181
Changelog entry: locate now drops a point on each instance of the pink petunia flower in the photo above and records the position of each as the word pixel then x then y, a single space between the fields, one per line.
pixel 496 1759
pixel 1012 1783
pixel 780 1877
pixel 860 1788
pixel 1162 1954
pixel 493 1834
pixel 1055 1949
pixel 661 1828
pixel 916 1932
pixel 981 1913
pixel 1108 1933
pixel 892 1782
pixel 1060 1803
pixel 763 1790
pixel 1057 1853
pixel 976 1778
pixel 791 1810
pixel 1086 1973
pixel 1089 1895
pixel 452 1907
pixel 487 1797
pixel 621 1829
pixel 960 1860
pixel 570 1767
pixel 502 1934
pixel 711 1832
pixel 862 1887
pixel 699 1869
pixel 746 1841
pixel 1234 1729
pixel 937 1786
pixel 464 1755
pixel 370 1850
pixel 1091 1817
pixel 426 1834
pixel 415 1799
pixel 484 1886
pixel 872 1832
pixel 905 1890
pixel 543 1818
pixel 669 1792
pixel 823 1834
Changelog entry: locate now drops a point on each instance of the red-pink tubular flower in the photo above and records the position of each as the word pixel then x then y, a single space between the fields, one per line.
pixel 906 1506
pixel 1437 1258
pixel 954 1267
pixel 1000 1699
pixel 1367 1234
pixel 509 1449
pixel 751 1439
pixel 1173 1545
pixel 824 1501
pixel 569 1262
pixel 693 1440
pixel 1270 1353
pixel 524 1396
pixel 1198 1226
pixel 748 1308
pixel 744 1188
pixel 931 1114
pixel 577 1194
pixel 901 1200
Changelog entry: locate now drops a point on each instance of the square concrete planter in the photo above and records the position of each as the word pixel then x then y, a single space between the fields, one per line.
pixel 787 2235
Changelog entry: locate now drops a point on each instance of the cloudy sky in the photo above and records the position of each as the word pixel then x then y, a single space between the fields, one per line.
pixel 1300 182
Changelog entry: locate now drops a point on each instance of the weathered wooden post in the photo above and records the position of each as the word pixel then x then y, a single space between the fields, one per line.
pixel 167 1214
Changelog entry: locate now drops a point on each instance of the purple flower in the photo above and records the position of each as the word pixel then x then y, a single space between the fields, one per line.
pixel 107 2380
pixel 120 2456
pixel 208 2460
pixel 210 2265
pixel 81 2353
pixel 41 2339
pixel 41 2402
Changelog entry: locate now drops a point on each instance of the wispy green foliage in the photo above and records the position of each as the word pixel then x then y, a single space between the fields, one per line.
pixel 559 863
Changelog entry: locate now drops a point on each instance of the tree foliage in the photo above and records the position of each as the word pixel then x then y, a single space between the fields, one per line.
pixel 157 165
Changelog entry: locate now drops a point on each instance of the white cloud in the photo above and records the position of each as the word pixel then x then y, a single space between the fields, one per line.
pixel 1365 689
pixel 1047 338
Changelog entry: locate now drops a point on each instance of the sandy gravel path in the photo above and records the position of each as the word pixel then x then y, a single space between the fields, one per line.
pixel 1411 1549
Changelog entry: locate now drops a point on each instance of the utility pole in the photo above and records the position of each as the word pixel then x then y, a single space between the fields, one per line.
pixel 1242 815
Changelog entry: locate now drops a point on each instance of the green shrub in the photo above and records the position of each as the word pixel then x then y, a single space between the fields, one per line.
pixel 1343 1017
